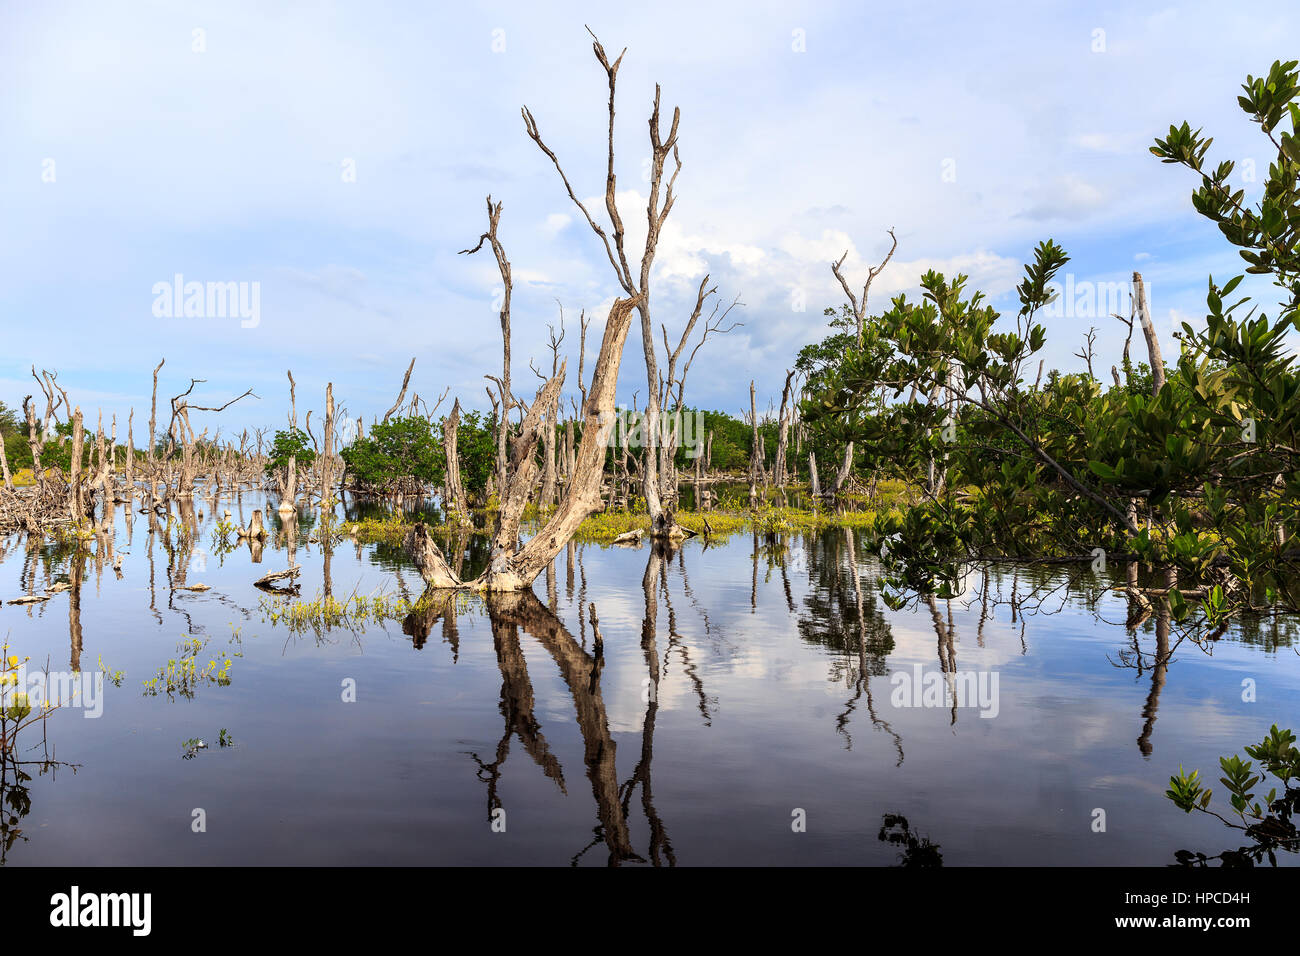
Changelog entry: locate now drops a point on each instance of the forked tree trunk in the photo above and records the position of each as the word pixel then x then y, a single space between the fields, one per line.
pixel 515 570
pixel 523 465
pixel 35 442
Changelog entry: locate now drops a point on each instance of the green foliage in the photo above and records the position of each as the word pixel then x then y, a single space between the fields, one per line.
pixel 1017 468
pixel 476 443
pixel 1268 822
pixel 397 454
pixel 8 420
pixel 289 443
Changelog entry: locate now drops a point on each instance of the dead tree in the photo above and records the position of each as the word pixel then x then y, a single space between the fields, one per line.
pixel 76 504
pixel 754 453
pixel 635 286
pixel 514 570
pixel 842 476
pixel 779 476
pixel 860 306
pixel 36 437
pixel 675 401
pixel 153 419
pixel 455 502
pixel 181 431
pixel 4 465
pixel 327 456
pixel 130 458
pixel 289 480
pixel 503 383
pixel 406 379
pixel 522 473
pixel 1149 331
pixel 546 498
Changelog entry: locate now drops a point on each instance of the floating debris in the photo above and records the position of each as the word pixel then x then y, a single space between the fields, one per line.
pixel 267 579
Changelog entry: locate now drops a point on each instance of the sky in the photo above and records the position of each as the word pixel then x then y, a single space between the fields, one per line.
pixel 336 157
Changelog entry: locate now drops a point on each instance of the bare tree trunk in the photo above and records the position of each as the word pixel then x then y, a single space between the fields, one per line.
pixel 130 459
pixel 289 492
pixel 503 383
pixel 4 465
pixel 35 442
pixel 455 490
pixel 523 466
pixel 406 380
pixel 546 498
pixel 812 475
pixel 153 411
pixel 568 453
pixel 842 475
pixel 779 477
pixel 75 501
pixel 753 447
pixel 327 451
pixel 515 570
pixel 1149 330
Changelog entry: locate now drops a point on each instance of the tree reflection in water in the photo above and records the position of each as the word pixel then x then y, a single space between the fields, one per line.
pixel 513 613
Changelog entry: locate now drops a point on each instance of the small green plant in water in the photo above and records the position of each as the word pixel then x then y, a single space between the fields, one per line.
pixel 183 675
pixel 1268 822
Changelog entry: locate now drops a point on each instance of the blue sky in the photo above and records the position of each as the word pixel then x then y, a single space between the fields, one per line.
pixel 226 165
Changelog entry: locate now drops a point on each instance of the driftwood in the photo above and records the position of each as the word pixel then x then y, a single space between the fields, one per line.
pixel 288 573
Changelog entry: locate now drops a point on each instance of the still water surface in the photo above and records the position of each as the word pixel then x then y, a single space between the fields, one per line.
pixel 739 691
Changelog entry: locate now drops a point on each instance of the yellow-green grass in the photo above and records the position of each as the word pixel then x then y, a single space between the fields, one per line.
pixel 604 526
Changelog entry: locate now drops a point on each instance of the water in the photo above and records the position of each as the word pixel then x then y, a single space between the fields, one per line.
pixel 772 704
